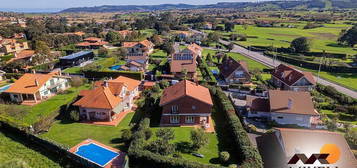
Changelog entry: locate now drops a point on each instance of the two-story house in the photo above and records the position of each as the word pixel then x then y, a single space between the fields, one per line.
pixel 186 103
pixel 234 71
pixel 139 51
pixel 91 43
pixel 33 88
pixel 279 147
pixel 107 99
pixel 287 78
pixel 285 108
pixel 185 60
pixel 14 47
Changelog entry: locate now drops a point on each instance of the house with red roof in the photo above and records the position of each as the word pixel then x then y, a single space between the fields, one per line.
pixel 124 33
pixel 91 43
pixel 186 103
pixel 288 78
pixel 285 108
pixel 138 52
pixel 234 71
pixel 185 60
pixel 107 99
pixel 33 88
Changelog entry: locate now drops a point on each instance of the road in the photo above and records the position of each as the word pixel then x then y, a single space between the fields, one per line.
pixel 257 56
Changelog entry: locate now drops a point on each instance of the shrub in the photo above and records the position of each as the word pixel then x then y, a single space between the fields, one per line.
pixel 148 134
pixel 74 115
pixel 77 81
pixel 126 135
pixel 232 166
pixel 198 138
pixel 224 156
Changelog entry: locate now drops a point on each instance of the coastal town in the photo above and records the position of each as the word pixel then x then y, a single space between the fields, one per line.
pixel 179 88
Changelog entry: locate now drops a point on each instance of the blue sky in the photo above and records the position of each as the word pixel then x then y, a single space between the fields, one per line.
pixel 13 4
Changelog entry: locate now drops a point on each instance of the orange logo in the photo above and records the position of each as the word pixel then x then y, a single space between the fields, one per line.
pixel 329 154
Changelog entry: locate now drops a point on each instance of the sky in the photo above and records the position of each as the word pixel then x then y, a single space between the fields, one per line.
pixel 61 4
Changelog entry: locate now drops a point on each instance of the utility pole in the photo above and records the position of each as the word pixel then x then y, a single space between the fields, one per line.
pixel 318 73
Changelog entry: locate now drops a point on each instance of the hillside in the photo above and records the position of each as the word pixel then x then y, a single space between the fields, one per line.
pixel 319 4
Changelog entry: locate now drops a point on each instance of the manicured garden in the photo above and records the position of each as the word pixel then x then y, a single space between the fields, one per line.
pixel 14 153
pixel 27 115
pixel 71 133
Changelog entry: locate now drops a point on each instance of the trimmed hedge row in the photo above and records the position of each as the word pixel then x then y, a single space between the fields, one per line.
pixel 113 74
pixel 206 73
pixel 333 93
pixel 313 66
pixel 141 156
pixel 250 155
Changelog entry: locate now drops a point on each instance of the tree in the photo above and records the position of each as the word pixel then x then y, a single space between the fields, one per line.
pixel 213 37
pixel 198 138
pixel 74 115
pixel 230 47
pixel 126 135
pixel 233 37
pixel 156 39
pixel 229 26
pixel 112 37
pixel 42 48
pixel 168 48
pixel 224 156
pixel 102 52
pixel 166 134
pixel 301 44
pixel 77 81
pixel 120 54
pixel 209 58
pixel 349 37
pixel 184 74
pixel 162 145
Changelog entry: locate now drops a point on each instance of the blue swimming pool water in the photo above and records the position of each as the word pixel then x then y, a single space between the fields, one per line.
pixel 214 72
pixel 115 67
pixel 3 89
pixel 96 154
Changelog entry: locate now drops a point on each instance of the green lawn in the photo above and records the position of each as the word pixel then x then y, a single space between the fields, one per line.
pixel 72 133
pixel 323 38
pixel 158 54
pixel 12 150
pixel 210 150
pixel 30 115
pixel 75 69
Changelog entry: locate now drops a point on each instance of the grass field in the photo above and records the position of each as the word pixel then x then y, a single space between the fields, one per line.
pixel 72 133
pixel 31 114
pixel 12 150
pixel 322 38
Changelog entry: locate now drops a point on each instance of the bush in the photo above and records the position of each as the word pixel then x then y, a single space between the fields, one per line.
pixel 232 166
pixel 148 134
pixel 74 115
pixel 198 138
pixel 126 135
pixel 77 81
pixel 224 156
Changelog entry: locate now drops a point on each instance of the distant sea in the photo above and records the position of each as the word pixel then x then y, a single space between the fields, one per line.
pixel 31 10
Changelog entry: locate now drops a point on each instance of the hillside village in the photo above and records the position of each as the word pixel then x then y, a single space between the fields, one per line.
pixel 180 88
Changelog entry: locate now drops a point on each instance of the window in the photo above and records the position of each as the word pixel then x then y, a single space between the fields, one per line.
pixel 52 82
pixel 299 118
pixel 174 109
pixel 189 119
pixel 193 107
pixel 174 119
pixel 280 117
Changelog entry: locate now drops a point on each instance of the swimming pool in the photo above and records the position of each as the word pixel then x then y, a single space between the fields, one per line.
pixel 4 88
pixel 115 67
pixel 96 154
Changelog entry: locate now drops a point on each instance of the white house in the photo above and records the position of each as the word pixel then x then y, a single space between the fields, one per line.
pixel 284 107
pixel 34 88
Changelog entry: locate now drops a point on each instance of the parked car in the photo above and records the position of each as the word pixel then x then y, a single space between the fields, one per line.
pixel 198 155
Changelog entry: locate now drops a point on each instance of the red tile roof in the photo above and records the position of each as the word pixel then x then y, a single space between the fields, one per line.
pixel 27 83
pixel 290 76
pixel 145 43
pixel 100 97
pixel 24 54
pixel 131 83
pixel 180 65
pixel 230 65
pixel 186 88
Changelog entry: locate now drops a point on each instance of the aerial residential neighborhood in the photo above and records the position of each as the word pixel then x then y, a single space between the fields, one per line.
pixel 163 84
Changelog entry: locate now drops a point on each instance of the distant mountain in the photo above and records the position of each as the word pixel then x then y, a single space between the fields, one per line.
pixel 287 4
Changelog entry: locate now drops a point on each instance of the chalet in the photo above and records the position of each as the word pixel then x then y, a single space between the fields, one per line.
pixel 138 50
pixel 287 78
pixel 234 71
pixel 186 103
pixel 278 148
pixel 34 88
pixel 107 99
pixel 76 59
pixel 91 43
pixel 285 108
pixel 185 60
pixel 14 46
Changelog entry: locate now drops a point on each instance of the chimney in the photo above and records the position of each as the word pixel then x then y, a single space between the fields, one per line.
pixel 290 103
pixel 36 82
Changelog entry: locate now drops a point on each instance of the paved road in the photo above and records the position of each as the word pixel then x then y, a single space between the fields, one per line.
pixel 271 63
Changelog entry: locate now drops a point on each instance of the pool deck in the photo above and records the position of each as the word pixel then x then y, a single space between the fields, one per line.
pixel 117 162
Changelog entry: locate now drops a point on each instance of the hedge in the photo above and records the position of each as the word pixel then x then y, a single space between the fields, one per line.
pixel 333 93
pixel 138 154
pixel 250 155
pixel 113 74
pixel 313 66
pixel 206 73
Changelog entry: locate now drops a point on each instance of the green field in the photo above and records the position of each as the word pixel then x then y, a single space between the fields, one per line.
pixel 28 115
pixel 322 38
pixel 71 133
pixel 12 150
